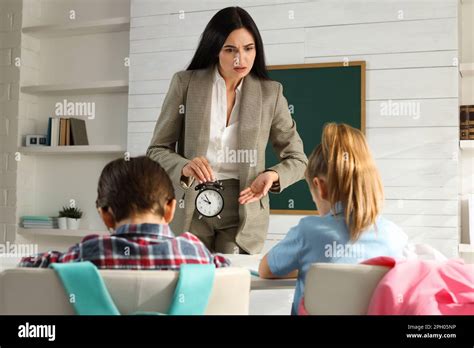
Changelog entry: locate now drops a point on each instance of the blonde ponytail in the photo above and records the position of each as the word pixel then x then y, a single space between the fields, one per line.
pixel 344 159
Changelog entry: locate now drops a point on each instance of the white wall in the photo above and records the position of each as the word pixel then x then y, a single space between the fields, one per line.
pixel 467 98
pixel 10 40
pixel 408 59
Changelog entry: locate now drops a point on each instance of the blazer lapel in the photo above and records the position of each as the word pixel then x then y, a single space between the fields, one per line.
pixel 249 122
pixel 198 112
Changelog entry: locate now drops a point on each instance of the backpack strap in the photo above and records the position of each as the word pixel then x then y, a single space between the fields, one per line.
pixel 91 297
pixel 82 281
pixel 193 290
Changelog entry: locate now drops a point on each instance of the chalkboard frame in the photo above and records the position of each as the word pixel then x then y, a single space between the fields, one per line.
pixel 362 65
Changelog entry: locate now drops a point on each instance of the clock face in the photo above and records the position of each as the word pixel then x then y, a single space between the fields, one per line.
pixel 209 203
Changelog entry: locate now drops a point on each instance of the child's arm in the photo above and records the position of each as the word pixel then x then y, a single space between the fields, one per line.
pixel 43 260
pixel 265 272
pixel 283 260
pixel 40 260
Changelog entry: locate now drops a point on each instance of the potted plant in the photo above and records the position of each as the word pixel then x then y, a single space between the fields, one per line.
pixel 73 216
pixel 62 219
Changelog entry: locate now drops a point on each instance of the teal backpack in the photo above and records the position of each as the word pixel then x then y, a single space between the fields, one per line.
pixel 84 284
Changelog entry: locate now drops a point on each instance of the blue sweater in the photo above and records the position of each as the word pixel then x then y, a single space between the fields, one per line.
pixel 326 239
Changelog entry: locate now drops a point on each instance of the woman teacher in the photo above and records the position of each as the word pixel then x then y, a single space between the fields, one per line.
pixel 215 123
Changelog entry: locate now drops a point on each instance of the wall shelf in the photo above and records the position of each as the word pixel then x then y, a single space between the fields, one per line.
pixel 108 25
pixel 73 149
pixel 58 232
pixel 82 60
pixel 78 88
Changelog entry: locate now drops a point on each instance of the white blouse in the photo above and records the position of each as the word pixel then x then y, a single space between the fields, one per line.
pixel 223 141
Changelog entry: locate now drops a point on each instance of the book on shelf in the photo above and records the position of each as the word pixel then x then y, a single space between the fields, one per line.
pixel 48 133
pixel 39 222
pixel 62 132
pixel 66 131
pixel 78 132
pixel 54 136
pixel 466 122
pixel 36 217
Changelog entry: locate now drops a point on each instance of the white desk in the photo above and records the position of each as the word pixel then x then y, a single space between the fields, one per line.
pixel 251 262
pixel 466 252
pixel 8 262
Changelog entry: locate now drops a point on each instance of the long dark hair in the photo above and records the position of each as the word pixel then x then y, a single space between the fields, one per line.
pixel 216 32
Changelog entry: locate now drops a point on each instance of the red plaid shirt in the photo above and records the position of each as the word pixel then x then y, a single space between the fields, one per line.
pixel 134 246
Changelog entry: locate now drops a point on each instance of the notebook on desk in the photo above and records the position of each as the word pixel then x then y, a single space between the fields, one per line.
pixel 249 262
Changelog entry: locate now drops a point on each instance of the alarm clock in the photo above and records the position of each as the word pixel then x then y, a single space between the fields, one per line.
pixel 209 201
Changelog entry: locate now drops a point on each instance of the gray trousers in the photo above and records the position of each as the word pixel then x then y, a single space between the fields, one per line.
pixel 219 234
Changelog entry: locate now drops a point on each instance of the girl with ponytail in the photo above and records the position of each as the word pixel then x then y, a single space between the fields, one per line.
pixel 348 192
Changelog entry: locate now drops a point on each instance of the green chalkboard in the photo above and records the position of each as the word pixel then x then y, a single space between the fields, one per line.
pixel 316 94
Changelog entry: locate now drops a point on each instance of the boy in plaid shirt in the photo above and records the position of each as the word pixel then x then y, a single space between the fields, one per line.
pixel 135 198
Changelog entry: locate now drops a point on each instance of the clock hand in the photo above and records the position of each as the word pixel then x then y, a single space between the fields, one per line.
pixel 207 200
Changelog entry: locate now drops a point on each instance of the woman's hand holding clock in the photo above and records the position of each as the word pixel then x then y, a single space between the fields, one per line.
pixel 259 188
pixel 200 169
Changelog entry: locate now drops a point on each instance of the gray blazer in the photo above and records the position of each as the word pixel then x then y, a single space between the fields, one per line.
pixel 178 137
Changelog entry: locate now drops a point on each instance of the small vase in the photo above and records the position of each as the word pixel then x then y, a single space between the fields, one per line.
pixel 73 224
pixel 62 223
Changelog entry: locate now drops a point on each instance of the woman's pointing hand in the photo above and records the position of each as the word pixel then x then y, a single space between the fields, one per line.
pixel 259 188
